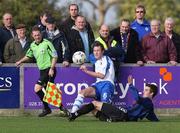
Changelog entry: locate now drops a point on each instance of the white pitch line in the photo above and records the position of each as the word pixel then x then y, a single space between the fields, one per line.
pixel 5 89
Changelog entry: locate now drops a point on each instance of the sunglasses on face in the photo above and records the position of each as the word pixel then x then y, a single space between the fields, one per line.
pixel 139 11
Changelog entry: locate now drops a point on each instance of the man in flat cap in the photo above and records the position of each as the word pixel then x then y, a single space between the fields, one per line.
pixel 16 47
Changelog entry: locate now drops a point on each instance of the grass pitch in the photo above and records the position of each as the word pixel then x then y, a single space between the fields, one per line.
pixel 85 124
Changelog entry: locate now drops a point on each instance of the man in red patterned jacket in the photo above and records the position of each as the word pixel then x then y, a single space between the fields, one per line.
pixel 158 47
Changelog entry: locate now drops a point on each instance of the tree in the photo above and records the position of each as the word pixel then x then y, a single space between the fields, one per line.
pixel 102 6
pixel 28 12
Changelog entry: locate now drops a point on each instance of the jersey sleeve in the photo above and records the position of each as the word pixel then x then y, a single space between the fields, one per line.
pixel 29 53
pixel 134 92
pixel 52 50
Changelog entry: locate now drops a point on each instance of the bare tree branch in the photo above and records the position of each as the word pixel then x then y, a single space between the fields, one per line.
pixel 92 3
pixel 110 3
pixel 102 7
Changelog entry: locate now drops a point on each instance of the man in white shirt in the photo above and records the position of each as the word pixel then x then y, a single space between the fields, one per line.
pixel 103 88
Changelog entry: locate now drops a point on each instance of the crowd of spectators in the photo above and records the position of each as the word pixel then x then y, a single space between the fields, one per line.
pixel 140 41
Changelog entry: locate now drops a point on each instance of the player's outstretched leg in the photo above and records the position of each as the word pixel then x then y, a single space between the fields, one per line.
pixel 77 103
pixel 84 110
pixel 65 110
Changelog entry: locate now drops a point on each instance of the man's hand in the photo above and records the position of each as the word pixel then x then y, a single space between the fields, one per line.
pixel 130 79
pixel 140 63
pixel 65 63
pixel 151 62
pixel 18 63
pixel 83 68
pixel 173 63
pixel 51 72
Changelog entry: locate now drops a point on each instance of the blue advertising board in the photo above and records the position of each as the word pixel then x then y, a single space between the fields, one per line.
pixel 9 87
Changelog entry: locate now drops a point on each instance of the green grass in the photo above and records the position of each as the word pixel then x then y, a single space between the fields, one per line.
pixel 85 124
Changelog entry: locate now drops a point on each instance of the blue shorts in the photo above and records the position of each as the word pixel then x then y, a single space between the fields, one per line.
pixel 104 91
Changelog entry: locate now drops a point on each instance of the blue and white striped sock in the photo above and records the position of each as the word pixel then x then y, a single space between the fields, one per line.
pixel 77 103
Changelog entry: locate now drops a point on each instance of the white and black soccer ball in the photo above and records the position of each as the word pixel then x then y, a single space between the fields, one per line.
pixel 79 57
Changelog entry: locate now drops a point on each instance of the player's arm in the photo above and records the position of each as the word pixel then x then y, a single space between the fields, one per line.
pixel 92 73
pixel 53 54
pixel 95 74
pixel 25 58
pixel 100 71
pixel 53 64
pixel 29 54
pixel 133 89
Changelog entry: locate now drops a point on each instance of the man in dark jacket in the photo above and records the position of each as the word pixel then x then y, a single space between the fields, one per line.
pixel 70 21
pixel 58 40
pixel 128 39
pixel 42 20
pixel 80 38
pixel 6 32
pixel 111 46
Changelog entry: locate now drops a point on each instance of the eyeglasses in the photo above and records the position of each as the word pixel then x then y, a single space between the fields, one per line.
pixel 139 11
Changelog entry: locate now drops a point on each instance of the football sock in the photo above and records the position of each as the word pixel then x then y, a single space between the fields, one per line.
pixel 41 95
pixel 77 103
pixel 85 109
pixel 61 107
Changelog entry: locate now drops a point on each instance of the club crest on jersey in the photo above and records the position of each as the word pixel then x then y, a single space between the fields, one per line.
pixel 42 51
pixel 146 29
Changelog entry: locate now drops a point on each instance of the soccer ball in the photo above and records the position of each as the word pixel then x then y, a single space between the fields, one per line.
pixel 79 57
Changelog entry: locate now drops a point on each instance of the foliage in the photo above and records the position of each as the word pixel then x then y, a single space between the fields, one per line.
pixel 28 12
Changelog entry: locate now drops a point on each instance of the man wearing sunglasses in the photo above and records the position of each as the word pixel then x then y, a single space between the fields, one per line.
pixel 140 24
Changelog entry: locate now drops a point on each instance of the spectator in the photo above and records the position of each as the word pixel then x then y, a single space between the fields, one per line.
pixel 16 47
pixel 158 47
pixel 80 38
pixel 128 39
pixel 169 26
pixel 53 34
pixel 42 20
pixel 140 24
pixel 6 32
pixel 111 46
pixel 70 21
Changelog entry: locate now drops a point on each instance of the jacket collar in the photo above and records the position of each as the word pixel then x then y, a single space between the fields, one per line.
pixel 75 28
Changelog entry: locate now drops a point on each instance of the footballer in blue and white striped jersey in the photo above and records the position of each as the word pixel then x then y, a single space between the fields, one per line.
pixel 105 66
